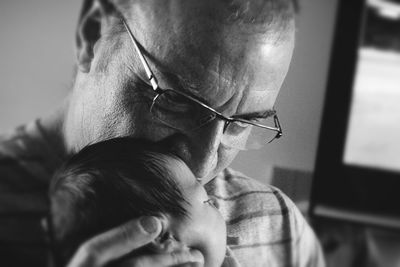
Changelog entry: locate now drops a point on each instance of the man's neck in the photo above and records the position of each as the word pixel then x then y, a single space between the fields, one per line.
pixel 52 126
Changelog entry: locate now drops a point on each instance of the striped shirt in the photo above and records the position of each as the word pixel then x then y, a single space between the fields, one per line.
pixel 264 227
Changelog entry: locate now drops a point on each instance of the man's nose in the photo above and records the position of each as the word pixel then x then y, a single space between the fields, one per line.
pixel 199 148
pixel 205 144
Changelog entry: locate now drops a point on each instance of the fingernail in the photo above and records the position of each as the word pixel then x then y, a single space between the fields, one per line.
pixel 150 224
pixel 197 256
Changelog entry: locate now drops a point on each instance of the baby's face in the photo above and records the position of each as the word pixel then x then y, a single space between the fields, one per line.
pixel 204 228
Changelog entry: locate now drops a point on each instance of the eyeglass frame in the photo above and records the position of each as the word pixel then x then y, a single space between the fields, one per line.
pixel 159 91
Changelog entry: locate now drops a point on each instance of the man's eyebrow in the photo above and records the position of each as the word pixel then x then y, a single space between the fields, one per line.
pixel 259 114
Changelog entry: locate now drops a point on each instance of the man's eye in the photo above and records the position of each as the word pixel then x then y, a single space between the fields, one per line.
pixel 237 127
pixel 205 118
pixel 173 103
pixel 241 124
pixel 254 120
pixel 212 202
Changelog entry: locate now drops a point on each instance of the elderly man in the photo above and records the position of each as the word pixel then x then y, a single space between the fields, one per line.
pixel 199 77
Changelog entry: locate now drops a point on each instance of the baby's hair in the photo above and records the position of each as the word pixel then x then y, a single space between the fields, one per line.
pixel 107 184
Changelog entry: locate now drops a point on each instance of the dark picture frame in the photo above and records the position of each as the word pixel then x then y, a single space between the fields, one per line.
pixel 360 194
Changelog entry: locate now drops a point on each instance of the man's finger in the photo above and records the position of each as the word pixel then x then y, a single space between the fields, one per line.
pixel 189 257
pixel 116 242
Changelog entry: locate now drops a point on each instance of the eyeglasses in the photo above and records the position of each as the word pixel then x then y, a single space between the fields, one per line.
pixel 183 112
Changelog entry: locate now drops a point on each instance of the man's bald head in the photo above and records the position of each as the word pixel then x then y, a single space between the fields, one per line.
pixel 171 30
pixel 263 15
pixel 232 55
pixel 260 11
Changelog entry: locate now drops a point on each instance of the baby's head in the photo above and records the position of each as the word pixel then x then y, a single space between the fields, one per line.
pixel 111 182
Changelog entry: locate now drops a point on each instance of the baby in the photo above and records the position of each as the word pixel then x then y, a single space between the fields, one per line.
pixel 111 182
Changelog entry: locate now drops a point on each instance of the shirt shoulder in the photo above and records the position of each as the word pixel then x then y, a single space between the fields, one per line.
pixel 264 226
pixel 241 197
pixel 26 165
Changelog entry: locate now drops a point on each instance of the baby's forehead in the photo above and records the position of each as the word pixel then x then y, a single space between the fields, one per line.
pixel 178 167
pixel 181 175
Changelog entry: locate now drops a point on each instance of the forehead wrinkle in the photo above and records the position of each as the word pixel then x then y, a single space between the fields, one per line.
pixel 187 85
pixel 243 98
pixel 218 81
pixel 200 88
pixel 222 92
pixel 231 106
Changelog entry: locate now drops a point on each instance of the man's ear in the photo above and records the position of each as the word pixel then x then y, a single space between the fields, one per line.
pixel 89 30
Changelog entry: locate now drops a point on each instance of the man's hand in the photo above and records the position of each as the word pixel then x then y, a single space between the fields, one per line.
pixel 118 242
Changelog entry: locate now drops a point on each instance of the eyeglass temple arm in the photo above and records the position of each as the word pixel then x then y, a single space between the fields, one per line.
pixel 149 73
pixel 278 125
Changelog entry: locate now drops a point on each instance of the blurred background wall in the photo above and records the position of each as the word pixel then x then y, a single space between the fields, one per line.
pixel 299 104
pixel 37 55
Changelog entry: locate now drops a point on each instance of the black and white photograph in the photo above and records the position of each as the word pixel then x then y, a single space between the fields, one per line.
pixel 200 133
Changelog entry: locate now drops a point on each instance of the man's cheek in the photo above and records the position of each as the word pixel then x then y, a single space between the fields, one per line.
pixel 141 124
pixel 227 155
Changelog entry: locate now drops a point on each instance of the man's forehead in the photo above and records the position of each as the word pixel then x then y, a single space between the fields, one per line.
pixel 215 64
pixel 229 97
pixel 261 70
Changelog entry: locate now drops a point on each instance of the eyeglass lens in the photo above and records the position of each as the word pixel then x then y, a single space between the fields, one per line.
pixel 179 112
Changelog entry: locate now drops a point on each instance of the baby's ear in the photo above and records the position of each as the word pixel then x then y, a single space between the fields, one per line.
pixel 167 246
pixel 166 242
